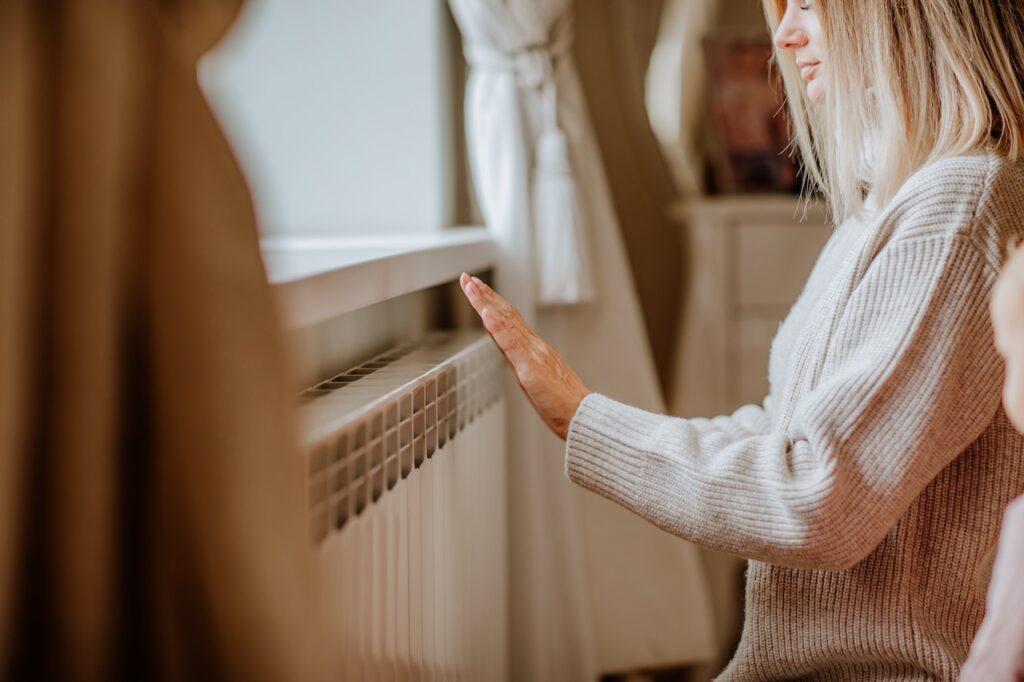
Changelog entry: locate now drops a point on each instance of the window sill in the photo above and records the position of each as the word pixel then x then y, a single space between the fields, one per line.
pixel 320 277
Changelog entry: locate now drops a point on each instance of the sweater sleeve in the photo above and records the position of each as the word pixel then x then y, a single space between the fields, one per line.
pixel 747 421
pixel 911 377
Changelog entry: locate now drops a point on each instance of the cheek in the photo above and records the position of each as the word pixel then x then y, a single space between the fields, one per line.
pixel 1013 394
pixel 1008 312
pixel 816 35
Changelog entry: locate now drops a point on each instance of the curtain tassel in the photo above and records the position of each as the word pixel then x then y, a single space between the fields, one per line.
pixel 563 274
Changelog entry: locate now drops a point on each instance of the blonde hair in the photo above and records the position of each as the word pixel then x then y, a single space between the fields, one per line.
pixel 910 82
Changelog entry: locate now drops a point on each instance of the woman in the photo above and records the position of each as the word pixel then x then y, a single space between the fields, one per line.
pixel 867 490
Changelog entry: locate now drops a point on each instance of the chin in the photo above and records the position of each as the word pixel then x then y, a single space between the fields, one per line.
pixel 816 92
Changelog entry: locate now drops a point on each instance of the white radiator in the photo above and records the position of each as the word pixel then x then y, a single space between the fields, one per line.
pixel 407 504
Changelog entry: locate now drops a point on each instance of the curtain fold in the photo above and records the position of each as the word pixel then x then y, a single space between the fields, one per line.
pixel 613 50
pixel 532 55
pixel 152 519
pixel 594 589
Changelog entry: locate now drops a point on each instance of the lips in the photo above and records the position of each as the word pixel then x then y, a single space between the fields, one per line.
pixel 808 69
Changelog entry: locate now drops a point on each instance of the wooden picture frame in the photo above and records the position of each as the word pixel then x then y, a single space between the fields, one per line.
pixel 749 127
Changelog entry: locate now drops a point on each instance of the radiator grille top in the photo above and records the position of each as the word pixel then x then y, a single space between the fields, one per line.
pixel 371 426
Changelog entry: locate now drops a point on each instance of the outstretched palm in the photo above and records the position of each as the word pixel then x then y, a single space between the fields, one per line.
pixel 552 386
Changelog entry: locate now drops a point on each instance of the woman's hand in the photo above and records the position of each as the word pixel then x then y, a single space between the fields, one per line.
pixel 998 649
pixel 550 384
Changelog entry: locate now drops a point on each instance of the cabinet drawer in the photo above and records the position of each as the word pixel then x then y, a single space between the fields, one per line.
pixel 773 261
pixel 754 348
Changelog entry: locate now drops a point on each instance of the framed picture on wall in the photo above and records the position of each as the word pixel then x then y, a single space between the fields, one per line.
pixel 749 128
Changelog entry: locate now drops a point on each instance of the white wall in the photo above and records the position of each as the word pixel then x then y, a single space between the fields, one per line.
pixel 340 112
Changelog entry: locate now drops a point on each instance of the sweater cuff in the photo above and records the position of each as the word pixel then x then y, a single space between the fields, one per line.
pixel 605 449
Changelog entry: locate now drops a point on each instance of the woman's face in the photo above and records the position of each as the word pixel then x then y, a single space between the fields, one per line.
pixel 1008 323
pixel 800 33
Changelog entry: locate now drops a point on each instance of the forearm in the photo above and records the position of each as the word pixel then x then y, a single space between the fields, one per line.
pixel 761 496
pixel 911 379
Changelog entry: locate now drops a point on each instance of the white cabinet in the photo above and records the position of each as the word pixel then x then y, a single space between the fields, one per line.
pixel 747 260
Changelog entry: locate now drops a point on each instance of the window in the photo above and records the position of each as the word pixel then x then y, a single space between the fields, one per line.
pixel 343 113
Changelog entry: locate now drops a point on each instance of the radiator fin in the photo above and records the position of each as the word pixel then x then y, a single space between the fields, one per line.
pixel 407 508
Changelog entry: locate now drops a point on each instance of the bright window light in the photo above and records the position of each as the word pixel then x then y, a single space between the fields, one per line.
pixel 341 113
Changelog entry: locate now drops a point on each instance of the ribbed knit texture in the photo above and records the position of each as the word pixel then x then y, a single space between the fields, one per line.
pixel 868 489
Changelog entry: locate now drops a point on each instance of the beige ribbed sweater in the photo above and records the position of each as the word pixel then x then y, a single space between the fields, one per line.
pixel 867 491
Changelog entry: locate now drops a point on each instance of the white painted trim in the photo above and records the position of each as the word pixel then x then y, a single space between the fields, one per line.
pixel 320 277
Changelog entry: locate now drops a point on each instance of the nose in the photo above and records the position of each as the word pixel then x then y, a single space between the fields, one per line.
pixel 789 35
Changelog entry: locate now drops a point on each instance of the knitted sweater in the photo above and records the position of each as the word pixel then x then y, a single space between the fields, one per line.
pixel 867 490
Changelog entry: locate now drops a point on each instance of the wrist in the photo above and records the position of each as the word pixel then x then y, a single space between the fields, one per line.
pixel 582 396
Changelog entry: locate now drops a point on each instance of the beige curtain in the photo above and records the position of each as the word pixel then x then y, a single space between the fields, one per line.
pixel 614 41
pixel 151 506
pixel 594 588
pixel 642 69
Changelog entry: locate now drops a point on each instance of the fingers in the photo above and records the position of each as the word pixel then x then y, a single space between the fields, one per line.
pixel 473 292
pixel 480 295
pixel 510 338
pixel 464 280
pixel 503 322
pixel 501 319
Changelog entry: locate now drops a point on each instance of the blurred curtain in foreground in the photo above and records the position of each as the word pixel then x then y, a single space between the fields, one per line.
pixel 151 515
pixel 595 589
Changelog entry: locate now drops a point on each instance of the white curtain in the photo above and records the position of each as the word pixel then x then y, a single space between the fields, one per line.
pixel 594 589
